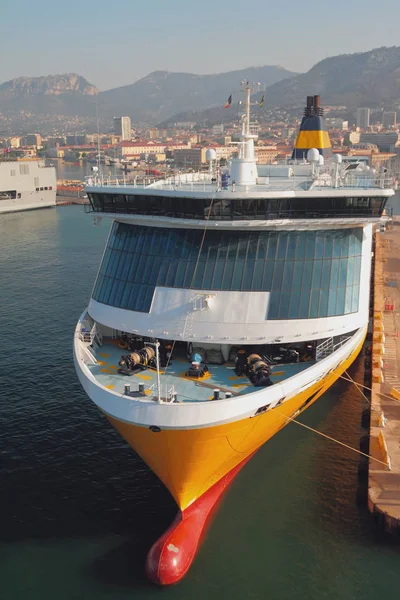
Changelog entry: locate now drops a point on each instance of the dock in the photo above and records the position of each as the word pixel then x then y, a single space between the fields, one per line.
pixel 384 481
pixel 71 192
pixel 68 200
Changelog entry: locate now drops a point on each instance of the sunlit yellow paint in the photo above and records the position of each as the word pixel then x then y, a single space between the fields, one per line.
pixel 190 461
pixel 313 139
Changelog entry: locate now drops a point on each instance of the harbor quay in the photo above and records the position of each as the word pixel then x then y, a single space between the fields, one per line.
pixel 384 481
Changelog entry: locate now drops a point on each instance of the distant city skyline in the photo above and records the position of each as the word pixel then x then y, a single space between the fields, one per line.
pixel 113 45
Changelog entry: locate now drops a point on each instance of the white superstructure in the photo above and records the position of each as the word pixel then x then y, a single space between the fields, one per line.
pixel 26 185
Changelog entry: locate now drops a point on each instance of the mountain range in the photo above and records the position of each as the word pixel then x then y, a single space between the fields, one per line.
pixel 362 79
pixel 151 99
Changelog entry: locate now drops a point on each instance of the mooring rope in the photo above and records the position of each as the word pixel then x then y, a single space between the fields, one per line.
pixel 328 437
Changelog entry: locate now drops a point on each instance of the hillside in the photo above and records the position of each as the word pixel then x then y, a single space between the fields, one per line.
pixel 162 94
pixel 363 79
pixel 68 94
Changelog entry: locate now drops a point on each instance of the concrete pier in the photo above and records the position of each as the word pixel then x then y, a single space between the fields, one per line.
pixel 384 482
pixel 67 200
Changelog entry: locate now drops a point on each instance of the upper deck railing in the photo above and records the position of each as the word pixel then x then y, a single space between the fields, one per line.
pixel 201 182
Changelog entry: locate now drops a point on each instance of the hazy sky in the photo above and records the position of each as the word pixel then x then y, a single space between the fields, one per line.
pixel 115 42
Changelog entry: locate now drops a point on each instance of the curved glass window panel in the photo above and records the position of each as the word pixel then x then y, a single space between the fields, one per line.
pixel 273 308
pixel 304 305
pixel 297 274
pixel 282 245
pixel 307 275
pixel 262 247
pixel 252 246
pixel 323 303
pixel 347 277
pixel 284 305
pixel 332 302
pixel 292 243
pixel 301 283
pixel 310 244
pixel 356 291
pixel 334 273
pixel 248 275
pixel 337 246
pixel 340 301
pixel 345 246
pixel 268 275
pixel 346 266
pixel 357 271
pixel 314 304
pixel 293 306
pixel 316 279
pixel 288 275
pixel 319 246
pixel 348 306
pixel 326 273
pixel 272 245
pixel 278 276
pixel 301 246
pixel 328 249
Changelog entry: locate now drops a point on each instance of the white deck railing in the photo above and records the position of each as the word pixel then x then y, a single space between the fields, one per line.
pixel 204 183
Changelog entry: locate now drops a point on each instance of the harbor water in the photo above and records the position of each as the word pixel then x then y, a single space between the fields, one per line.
pixel 79 509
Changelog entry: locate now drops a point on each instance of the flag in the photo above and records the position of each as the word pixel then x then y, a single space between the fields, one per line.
pixel 262 101
pixel 228 102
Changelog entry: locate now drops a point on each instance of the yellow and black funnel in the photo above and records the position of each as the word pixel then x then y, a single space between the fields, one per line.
pixel 312 132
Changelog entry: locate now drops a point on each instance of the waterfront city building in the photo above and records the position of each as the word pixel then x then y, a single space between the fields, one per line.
pixel 363 117
pixel 388 119
pixel 122 127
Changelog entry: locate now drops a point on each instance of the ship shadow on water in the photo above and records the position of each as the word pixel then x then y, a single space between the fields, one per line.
pixel 124 565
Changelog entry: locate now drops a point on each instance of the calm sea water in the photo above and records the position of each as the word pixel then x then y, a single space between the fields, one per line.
pixel 80 170
pixel 78 510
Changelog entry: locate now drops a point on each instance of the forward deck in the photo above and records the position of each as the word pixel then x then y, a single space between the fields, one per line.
pixel 222 377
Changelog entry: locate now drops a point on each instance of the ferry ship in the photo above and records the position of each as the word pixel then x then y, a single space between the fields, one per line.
pixel 26 185
pixel 226 303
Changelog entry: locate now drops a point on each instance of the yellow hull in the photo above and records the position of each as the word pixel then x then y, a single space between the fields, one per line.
pixel 190 461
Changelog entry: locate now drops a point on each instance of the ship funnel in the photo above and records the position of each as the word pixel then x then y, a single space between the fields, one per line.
pixel 312 132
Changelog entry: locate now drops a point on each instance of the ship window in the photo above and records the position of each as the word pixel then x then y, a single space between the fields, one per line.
pixel 24 169
pixel 18 195
pixel 36 181
pixel 310 284
pixel 248 208
pixel 7 195
pixel 13 172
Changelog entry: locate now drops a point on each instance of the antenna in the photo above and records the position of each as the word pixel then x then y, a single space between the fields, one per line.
pixel 98 135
